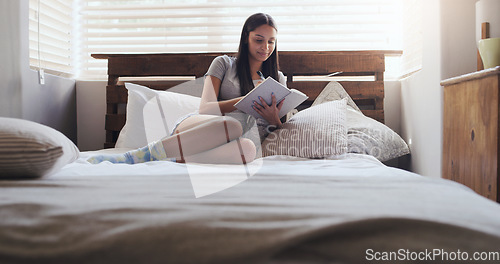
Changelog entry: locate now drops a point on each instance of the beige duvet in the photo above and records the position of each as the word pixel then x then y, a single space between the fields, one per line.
pixel 348 210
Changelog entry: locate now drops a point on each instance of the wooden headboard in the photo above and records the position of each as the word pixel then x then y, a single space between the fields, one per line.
pixel 368 92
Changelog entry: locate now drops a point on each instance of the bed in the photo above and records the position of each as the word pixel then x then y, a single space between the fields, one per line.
pixel 340 208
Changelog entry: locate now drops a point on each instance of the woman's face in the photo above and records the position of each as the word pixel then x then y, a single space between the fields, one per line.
pixel 261 43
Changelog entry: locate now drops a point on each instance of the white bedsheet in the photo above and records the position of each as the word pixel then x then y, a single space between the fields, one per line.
pixel 311 211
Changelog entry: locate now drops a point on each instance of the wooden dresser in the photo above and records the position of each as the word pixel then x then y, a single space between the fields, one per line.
pixel 471 131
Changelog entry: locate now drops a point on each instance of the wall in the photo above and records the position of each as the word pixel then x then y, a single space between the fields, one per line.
pixel 91 109
pixel 10 68
pixel 449 50
pixel 21 95
pixel 458 41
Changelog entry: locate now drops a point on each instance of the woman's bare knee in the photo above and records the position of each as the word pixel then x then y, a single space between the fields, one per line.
pixel 194 121
pixel 248 148
pixel 231 126
pixel 220 123
pixel 234 127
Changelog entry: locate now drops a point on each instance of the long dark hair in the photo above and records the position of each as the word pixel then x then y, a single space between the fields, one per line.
pixel 269 67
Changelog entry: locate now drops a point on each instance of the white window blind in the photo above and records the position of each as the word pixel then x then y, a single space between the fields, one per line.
pixel 157 26
pixel 50 27
pixel 411 60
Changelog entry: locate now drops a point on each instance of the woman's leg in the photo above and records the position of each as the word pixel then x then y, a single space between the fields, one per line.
pixel 195 120
pixel 239 151
pixel 200 134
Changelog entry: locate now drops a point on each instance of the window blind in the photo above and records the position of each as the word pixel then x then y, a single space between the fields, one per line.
pixel 158 26
pixel 411 60
pixel 50 27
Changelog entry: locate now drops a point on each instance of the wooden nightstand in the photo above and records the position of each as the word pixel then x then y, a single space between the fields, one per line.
pixel 471 131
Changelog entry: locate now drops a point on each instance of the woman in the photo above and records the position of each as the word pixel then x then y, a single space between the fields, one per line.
pixel 214 135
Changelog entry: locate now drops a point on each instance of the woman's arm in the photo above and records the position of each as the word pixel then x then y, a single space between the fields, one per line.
pixel 209 104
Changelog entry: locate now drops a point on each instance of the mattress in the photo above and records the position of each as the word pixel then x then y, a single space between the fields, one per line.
pixel 278 209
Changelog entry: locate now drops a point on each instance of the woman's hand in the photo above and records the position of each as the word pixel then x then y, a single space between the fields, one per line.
pixel 269 112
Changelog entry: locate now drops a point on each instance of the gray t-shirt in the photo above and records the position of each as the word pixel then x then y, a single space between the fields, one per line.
pixel 224 68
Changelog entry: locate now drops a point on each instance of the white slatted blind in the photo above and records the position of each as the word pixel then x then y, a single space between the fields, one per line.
pixel 411 60
pixel 156 26
pixel 50 27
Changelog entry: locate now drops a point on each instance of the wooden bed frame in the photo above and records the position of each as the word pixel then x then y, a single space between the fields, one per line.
pixel 368 94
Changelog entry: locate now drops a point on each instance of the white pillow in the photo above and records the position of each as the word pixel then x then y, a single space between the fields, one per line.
pixel 152 115
pixel 31 150
pixel 316 132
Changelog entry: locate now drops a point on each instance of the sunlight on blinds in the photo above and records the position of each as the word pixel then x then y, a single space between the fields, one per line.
pixel 50 27
pixel 411 60
pixel 158 26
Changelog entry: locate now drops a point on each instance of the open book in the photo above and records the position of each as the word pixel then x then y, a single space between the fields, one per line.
pixel 292 97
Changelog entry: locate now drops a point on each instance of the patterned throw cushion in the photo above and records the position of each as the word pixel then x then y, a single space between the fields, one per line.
pixel 316 132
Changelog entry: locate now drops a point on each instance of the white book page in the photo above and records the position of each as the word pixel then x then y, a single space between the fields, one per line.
pixel 264 90
pixel 292 100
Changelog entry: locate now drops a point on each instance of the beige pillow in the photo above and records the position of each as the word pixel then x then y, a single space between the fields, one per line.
pixel 364 134
pixel 334 91
pixel 31 150
pixel 316 132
